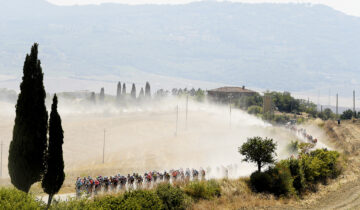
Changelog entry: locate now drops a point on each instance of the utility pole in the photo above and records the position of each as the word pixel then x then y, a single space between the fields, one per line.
pixel 177 119
pixel 318 101
pixel 230 97
pixel 354 103
pixel 187 103
pixel 337 105
pixel 104 148
pixel 1 159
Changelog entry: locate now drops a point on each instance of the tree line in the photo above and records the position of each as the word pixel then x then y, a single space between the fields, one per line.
pixel 122 95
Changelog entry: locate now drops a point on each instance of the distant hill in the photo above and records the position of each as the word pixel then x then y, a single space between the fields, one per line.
pixel 295 47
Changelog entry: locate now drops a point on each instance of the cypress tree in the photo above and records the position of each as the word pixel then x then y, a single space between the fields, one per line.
pixel 141 94
pixel 29 142
pixel 118 91
pixel 124 90
pixel 133 91
pixel 102 94
pixel 92 98
pixel 147 90
pixel 54 173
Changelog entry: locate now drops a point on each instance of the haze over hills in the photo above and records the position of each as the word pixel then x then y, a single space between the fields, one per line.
pixel 295 47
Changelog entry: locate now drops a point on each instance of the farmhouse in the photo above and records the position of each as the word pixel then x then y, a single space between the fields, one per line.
pixel 224 94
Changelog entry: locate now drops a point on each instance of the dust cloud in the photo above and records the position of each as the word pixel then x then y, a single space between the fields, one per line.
pixel 145 137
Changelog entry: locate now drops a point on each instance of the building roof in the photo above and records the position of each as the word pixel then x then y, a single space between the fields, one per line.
pixel 232 90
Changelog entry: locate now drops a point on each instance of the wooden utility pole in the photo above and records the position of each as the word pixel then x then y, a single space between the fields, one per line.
pixel 230 97
pixel 187 103
pixel 177 119
pixel 103 160
pixel 337 105
pixel 354 110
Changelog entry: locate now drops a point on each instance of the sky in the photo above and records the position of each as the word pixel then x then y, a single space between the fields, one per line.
pixel 350 7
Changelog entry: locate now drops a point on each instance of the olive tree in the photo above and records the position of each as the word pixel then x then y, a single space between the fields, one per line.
pixel 258 150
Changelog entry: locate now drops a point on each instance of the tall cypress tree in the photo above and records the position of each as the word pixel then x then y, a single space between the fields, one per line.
pixel 141 94
pixel 92 98
pixel 102 95
pixel 54 173
pixel 133 91
pixel 147 90
pixel 118 91
pixel 124 89
pixel 29 142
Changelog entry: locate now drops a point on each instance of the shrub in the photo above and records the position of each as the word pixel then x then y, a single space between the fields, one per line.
pixel 260 181
pixel 172 197
pixel 294 146
pixel 73 204
pixel 297 173
pixel 276 180
pixel 15 199
pixel 320 165
pixel 143 198
pixel 139 199
pixel 255 109
pixel 108 202
pixel 282 182
pixel 281 119
pixel 347 115
pixel 203 189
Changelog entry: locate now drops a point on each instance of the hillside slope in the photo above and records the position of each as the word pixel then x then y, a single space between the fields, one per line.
pixel 344 193
pixel 300 46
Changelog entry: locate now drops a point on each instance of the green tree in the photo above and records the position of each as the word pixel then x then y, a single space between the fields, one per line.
pixel 347 114
pixel 258 150
pixel 147 90
pixel 29 142
pixel 200 95
pixel 327 114
pixel 133 91
pixel 54 173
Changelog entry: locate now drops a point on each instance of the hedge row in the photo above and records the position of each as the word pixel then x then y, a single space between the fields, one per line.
pixel 295 176
pixel 165 197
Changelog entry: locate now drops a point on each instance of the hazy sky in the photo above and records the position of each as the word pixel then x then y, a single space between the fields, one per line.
pixel 351 7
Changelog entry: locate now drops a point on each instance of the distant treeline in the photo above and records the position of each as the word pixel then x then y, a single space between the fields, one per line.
pixel 285 103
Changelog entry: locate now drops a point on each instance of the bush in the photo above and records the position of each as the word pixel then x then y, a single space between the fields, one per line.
pixel 260 181
pixel 282 182
pixel 15 199
pixel 139 199
pixel 297 173
pixel 143 198
pixel 281 119
pixel 73 204
pixel 108 202
pixel 347 115
pixel 255 109
pixel 172 197
pixel 276 180
pixel 203 189
pixel 320 165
